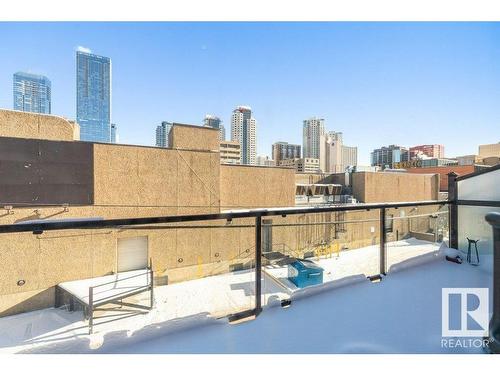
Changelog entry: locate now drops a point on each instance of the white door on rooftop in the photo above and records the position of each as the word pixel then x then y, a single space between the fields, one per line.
pixel 132 253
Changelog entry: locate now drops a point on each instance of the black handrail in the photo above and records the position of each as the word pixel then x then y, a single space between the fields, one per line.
pixel 38 228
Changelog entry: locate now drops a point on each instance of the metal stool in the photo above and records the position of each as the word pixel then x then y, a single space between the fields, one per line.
pixel 469 251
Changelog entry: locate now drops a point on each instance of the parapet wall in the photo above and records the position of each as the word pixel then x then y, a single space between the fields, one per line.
pixel 371 187
pixel 38 126
pixel 177 181
pixel 243 186
pixel 191 137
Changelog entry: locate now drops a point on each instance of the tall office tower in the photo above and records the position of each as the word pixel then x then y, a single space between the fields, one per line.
pixel 93 97
pixel 331 152
pixel 429 151
pixel 313 129
pixel 216 123
pixel 162 132
pixel 385 157
pixel 349 156
pixel 243 131
pixel 114 133
pixel 32 93
pixel 285 150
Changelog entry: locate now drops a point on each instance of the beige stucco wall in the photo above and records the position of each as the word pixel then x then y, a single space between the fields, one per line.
pixel 256 187
pixel 370 187
pixel 38 126
pixel 132 181
pixel 178 181
pixel 191 137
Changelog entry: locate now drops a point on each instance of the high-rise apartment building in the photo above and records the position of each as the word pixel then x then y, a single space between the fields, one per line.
pixel 244 131
pixel 349 156
pixel 312 131
pixel 93 97
pixel 285 150
pixel 429 151
pixel 216 123
pixel 32 93
pixel 385 157
pixel 162 134
pixel 114 133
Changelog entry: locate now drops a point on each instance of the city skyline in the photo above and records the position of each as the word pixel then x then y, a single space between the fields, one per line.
pixel 399 83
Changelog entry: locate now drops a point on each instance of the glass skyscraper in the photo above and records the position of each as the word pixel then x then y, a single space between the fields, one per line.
pixel 32 93
pixel 93 97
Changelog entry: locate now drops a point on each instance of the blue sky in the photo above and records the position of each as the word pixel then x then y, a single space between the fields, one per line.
pixel 378 83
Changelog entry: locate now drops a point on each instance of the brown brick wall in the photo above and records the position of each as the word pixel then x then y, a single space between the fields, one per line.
pixel 443 173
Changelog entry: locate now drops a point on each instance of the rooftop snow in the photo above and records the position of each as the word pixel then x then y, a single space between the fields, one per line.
pixel 349 314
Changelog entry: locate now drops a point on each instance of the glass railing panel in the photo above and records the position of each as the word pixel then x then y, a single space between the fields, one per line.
pixel 415 234
pixel 208 269
pixel 474 232
pixel 74 279
pixel 326 248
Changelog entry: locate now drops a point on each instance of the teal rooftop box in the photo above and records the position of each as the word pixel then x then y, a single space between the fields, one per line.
pixel 305 273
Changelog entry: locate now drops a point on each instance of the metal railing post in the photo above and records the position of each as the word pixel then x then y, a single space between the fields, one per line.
pixel 91 310
pixel 453 209
pixel 382 241
pixel 258 265
pixel 151 285
pixel 494 328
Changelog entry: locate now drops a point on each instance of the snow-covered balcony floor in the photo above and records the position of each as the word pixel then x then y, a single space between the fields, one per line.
pixel 401 314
